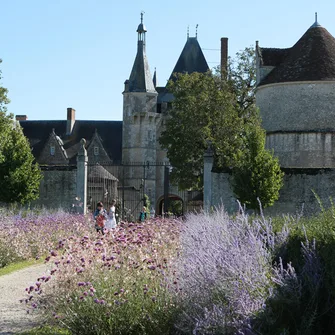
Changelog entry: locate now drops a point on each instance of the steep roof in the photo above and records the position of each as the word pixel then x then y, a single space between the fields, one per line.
pixel 140 79
pixel 312 58
pixel 273 56
pixel 110 132
pixel 191 59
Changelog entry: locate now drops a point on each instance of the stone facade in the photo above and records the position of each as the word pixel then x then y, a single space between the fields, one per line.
pixel 58 188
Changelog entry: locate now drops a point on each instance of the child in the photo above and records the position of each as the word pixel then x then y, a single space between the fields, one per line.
pixel 111 223
pixel 100 217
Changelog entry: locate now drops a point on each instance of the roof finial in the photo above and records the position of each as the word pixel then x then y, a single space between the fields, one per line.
pixel 316 23
pixel 196 31
pixel 142 12
pixel 188 31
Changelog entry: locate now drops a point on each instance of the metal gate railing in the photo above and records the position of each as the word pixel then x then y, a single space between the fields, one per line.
pixel 129 184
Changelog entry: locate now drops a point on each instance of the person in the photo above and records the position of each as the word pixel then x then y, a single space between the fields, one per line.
pixel 100 217
pixel 152 213
pixel 111 222
pixel 143 214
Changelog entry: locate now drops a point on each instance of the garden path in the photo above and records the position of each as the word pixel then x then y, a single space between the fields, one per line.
pixel 13 314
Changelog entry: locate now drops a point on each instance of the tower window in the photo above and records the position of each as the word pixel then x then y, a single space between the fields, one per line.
pixel 96 151
pixel 52 150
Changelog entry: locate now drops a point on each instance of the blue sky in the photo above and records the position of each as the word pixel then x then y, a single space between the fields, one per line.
pixel 78 53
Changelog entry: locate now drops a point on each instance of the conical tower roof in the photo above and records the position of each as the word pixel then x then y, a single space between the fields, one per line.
pixel 140 79
pixel 191 59
pixel 312 58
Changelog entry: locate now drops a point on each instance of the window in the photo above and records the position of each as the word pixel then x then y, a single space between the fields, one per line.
pixel 52 150
pixel 96 151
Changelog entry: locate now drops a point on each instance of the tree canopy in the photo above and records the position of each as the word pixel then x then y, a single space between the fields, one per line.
pixel 19 175
pixel 218 109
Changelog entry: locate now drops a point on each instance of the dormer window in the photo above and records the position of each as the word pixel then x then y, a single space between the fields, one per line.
pixel 96 151
pixel 52 150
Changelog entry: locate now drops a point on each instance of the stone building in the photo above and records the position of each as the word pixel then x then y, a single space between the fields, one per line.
pixel 127 151
pixel 296 97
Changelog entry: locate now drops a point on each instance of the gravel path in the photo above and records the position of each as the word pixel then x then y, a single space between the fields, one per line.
pixel 13 314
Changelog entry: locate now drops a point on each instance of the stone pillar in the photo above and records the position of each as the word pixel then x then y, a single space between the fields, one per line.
pixel 82 176
pixel 208 165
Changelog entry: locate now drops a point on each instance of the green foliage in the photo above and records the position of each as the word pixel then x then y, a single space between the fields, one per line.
pixel 209 108
pixel 203 110
pixel 19 175
pixel 176 207
pixel 258 176
pixel 3 96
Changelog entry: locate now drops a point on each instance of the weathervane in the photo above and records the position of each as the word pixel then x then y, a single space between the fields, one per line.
pixel 142 12
pixel 196 31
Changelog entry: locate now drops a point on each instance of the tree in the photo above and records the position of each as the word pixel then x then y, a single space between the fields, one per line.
pixel 203 110
pixel 208 108
pixel 220 109
pixel 19 175
pixel 258 177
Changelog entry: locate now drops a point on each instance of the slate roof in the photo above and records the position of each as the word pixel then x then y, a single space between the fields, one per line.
pixel 273 56
pixel 140 79
pixel 110 133
pixel 191 59
pixel 312 58
pixel 99 172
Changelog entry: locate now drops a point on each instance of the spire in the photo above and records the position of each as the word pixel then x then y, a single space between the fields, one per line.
pixel 141 30
pixel 316 23
pixel 140 79
pixel 154 79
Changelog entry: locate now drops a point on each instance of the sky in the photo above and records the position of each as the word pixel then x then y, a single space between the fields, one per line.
pixel 78 53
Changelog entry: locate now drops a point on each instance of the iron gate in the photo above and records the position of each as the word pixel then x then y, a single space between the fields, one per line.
pixel 129 185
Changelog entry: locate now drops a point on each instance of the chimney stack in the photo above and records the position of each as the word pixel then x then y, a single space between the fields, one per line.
pixel 71 119
pixel 224 56
pixel 21 117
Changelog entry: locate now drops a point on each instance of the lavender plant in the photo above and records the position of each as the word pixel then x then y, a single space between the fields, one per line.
pixel 32 236
pixel 225 271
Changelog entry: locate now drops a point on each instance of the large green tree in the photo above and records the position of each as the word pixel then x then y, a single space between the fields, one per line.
pixel 19 175
pixel 217 108
pixel 199 114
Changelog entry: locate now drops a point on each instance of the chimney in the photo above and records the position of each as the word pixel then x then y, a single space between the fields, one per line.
pixel 21 117
pixel 224 56
pixel 71 118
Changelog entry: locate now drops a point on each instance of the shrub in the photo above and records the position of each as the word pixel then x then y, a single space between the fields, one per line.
pixel 117 283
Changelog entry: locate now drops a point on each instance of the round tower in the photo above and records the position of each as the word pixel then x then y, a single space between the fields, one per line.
pixel 296 98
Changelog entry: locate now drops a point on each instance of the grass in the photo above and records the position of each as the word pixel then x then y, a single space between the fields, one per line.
pixel 18 266
pixel 45 330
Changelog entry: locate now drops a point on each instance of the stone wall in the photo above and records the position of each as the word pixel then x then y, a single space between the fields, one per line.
pixel 303 150
pixel 297 106
pixel 58 187
pixel 296 194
